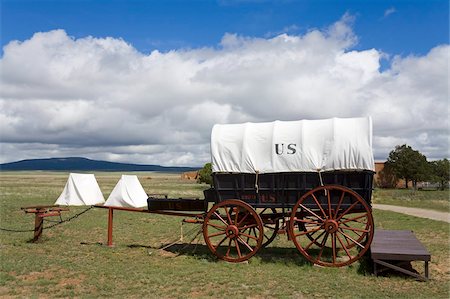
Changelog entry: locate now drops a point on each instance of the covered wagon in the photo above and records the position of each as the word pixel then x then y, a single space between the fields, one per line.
pixel 309 179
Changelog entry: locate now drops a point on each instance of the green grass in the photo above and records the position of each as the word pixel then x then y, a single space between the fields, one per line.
pixel 424 199
pixel 70 260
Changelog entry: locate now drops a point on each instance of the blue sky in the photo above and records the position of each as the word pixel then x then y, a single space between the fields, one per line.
pixel 395 27
pixel 145 81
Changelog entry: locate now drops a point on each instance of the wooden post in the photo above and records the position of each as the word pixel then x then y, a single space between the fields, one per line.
pixel 110 226
pixel 38 226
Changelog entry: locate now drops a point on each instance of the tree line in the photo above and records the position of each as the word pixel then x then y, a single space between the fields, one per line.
pixel 412 166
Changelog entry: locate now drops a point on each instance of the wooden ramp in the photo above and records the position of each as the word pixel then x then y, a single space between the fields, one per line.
pixel 395 249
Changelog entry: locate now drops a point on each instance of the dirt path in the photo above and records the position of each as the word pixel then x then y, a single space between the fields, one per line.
pixel 423 213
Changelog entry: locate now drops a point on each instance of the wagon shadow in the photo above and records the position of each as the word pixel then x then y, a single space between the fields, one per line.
pixel 269 255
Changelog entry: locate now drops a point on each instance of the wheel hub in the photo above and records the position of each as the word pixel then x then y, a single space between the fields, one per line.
pixel 331 226
pixel 232 231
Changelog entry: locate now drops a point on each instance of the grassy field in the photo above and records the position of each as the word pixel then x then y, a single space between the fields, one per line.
pixel 71 260
pixel 425 199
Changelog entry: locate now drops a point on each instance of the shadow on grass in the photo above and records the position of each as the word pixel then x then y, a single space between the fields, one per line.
pixel 275 255
pixel 288 256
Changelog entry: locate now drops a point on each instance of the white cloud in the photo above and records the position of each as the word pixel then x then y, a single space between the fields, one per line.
pixel 389 11
pixel 101 98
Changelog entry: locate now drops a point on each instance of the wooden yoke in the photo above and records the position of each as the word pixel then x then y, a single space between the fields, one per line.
pixel 40 213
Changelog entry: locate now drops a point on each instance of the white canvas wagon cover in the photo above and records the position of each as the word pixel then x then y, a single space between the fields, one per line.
pixel 293 146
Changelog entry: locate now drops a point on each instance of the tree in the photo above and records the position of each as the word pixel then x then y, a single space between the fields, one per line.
pixel 441 172
pixel 409 164
pixel 205 174
pixel 386 177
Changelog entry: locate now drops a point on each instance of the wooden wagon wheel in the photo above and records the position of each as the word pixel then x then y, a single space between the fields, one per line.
pixel 331 226
pixel 226 230
pixel 271 226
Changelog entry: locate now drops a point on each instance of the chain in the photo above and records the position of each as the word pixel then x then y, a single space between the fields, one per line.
pixel 68 219
pixel 16 230
pixel 46 227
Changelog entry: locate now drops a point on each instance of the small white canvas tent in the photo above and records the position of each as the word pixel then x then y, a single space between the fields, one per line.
pixel 81 190
pixel 127 193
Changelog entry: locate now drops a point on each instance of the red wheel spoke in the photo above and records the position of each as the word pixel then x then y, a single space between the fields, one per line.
pixel 322 245
pixel 220 243
pixel 346 211
pixel 306 221
pixel 307 232
pixel 249 236
pixel 217 226
pixel 220 218
pixel 315 240
pixel 339 204
pixel 236 216
pixel 319 205
pixel 228 214
pixel 254 232
pixel 242 220
pixel 248 226
pixel 359 236
pixel 216 234
pixel 311 212
pixel 237 248
pixel 333 245
pixel 350 238
pixel 245 243
pixel 229 249
pixel 348 243
pixel 356 230
pixel 354 219
pixel 343 246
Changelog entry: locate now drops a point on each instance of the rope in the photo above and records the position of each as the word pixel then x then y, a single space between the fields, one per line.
pixel 321 181
pixel 190 232
pixel 256 181
pixel 320 177
pixel 46 227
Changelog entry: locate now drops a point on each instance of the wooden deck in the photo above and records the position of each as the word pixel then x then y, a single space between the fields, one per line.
pixel 395 249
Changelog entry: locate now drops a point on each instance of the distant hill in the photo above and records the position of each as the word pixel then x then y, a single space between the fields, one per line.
pixel 84 164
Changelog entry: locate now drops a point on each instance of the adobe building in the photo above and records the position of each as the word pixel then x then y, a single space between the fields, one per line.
pixel 379 166
pixel 190 175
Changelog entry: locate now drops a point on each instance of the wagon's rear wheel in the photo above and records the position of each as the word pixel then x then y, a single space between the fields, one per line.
pixel 271 225
pixel 331 226
pixel 233 231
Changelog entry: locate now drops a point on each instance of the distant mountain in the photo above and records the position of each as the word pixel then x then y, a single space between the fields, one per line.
pixel 84 164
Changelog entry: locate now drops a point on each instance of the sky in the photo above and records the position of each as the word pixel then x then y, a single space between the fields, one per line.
pixel 145 81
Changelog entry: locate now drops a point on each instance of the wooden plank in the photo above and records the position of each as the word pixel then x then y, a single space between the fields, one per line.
pixel 398 245
pixel 390 248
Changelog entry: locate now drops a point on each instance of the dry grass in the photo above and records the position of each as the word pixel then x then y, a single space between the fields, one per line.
pixel 70 260
pixel 425 199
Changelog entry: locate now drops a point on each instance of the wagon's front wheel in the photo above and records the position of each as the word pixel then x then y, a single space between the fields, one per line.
pixel 233 231
pixel 331 226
